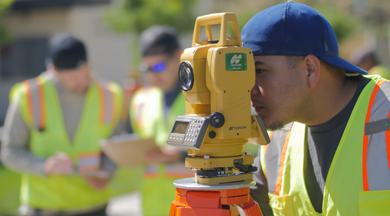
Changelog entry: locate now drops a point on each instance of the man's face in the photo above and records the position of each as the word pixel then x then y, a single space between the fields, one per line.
pixel 279 91
pixel 162 70
pixel 75 80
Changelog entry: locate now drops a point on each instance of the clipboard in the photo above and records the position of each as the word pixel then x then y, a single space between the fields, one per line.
pixel 128 150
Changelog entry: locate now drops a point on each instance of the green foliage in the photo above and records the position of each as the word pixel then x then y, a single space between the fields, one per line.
pixel 5 36
pixel 243 18
pixel 342 24
pixel 138 15
pixel 4 4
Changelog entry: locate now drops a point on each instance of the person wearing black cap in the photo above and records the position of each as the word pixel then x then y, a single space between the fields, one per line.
pixel 153 111
pixel 52 131
pixel 330 148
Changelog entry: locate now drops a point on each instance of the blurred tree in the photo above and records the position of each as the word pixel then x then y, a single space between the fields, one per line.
pixel 138 15
pixel 342 23
pixel 375 13
pixel 5 36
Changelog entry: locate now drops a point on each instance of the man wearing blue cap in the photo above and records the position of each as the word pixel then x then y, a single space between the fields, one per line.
pixel 330 145
pixel 52 131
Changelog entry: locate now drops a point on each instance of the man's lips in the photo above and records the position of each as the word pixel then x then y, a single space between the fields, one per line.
pixel 259 108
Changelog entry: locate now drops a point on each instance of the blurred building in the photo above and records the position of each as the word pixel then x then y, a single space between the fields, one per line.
pixel 33 22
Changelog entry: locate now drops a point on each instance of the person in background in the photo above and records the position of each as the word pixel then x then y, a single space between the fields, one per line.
pixel 366 58
pixel 52 131
pixel 153 111
pixel 327 154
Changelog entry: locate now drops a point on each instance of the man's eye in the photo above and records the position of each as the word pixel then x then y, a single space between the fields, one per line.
pixel 259 71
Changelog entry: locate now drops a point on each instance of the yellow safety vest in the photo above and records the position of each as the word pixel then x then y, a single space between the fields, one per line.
pixel 41 110
pixel 9 191
pixel 380 70
pixel 147 115
pixel 358 182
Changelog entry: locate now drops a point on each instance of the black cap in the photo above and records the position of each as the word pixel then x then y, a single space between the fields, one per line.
pixel 67 52
pixel 159 40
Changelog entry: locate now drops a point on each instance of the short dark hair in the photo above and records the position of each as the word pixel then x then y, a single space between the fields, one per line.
pixel 67 52
pixel 159 40
pixel 292 62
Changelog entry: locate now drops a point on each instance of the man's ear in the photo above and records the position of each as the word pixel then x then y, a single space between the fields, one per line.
pixel 53 69
pixel 50 67
pixel 312 65
pixel 177 53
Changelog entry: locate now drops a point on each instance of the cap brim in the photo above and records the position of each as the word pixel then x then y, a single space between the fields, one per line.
pixel 341 63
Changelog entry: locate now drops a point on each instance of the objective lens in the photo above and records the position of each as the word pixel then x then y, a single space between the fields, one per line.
pixel 186 76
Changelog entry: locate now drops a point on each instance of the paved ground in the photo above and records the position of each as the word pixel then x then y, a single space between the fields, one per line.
pixel 125 205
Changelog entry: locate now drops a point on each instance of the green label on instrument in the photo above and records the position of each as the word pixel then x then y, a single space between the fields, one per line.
pixel 235 61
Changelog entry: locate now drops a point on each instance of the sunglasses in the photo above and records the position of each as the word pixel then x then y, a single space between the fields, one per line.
pixel 156 68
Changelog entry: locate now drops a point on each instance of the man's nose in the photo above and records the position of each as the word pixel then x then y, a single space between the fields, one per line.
pixel 255 90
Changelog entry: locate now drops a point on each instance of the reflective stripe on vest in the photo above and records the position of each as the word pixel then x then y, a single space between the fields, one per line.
pixel 263 150
pixel 139 104
pixel 278 184
pixel 107 102
pixel 36 104
pixel 88 161
pixel 272 157
pixel 151 171
pixel 265 147
pixel 376 142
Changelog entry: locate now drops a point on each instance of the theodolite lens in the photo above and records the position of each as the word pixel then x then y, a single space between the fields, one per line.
pixel 186 76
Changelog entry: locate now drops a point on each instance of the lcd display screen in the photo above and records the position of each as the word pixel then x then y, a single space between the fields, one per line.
pixel 180 127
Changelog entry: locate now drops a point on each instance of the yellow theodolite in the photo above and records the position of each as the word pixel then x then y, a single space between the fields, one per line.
pixel 216 75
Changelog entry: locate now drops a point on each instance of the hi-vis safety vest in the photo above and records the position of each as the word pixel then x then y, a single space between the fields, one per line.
pixel 358 182
pixel 147 115
pixel 41 110
pixel 9 191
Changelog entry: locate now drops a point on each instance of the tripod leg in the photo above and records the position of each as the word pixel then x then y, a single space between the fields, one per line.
pixel 234 210
pixel 250 208
pixel 175 205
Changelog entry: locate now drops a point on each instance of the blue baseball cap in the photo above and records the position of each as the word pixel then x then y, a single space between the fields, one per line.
pixel 294 29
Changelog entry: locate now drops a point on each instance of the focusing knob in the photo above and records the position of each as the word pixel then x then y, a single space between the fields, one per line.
pixel 217 120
